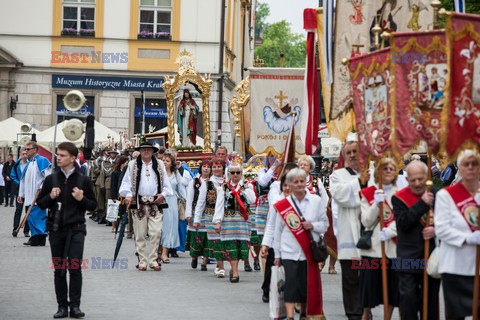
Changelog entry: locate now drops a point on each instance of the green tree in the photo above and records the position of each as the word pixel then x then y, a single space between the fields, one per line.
pixel 278 38
pixel 472 6
pixel 262 11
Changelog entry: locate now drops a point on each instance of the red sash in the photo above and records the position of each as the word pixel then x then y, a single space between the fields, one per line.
pixel 314 282
pixel 465 203
pixel 407 196
pixel 388 216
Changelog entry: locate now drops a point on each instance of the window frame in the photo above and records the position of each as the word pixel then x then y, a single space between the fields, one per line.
pixel 79 5
pixel 155 9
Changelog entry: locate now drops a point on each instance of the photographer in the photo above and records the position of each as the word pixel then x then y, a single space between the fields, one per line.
pixel 68 195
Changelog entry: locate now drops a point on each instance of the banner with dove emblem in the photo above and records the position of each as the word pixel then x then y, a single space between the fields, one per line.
pixel 275 93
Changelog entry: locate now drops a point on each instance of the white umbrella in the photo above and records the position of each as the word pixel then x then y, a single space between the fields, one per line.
pixel 8 131
pixel 101 135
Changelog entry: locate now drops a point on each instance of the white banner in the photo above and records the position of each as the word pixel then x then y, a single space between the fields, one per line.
pixel 274 94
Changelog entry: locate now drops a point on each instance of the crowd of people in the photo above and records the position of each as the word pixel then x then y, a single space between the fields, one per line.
pixel 219 213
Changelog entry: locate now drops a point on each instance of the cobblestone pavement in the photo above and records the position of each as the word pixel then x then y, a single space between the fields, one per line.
pixel 176 292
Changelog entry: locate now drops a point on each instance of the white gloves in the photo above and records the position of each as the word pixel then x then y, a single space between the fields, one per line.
pixel 473 238
pixel 379 197
pixel 384 235
pixel 477 198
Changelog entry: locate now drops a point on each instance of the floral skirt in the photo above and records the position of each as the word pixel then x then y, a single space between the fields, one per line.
pixel 235 249
pixel 216 250
pixel 197 244
pixel 255 239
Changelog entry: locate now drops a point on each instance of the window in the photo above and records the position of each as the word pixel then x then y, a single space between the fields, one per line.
pixel 155 114
pixel 79 17
pixel 155 19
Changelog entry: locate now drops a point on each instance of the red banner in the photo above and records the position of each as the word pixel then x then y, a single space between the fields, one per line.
pixel 419 63
pixel 462 108
pixel 372 85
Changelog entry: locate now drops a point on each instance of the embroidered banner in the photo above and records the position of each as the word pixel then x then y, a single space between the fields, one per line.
pixel 372 86
pixel 462 105
pixel 354 22
pixel 274 94
pixel 419 63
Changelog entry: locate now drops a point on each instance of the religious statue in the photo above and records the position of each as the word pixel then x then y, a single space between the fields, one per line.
pixel 187 115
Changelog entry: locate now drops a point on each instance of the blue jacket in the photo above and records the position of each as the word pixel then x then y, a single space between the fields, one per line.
pixel 17 174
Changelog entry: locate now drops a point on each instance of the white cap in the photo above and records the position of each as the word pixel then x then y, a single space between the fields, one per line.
pixel 352 137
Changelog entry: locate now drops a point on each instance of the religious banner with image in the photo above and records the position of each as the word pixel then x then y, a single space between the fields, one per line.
pixel 275 93
pixel 354 23
pixel 372 87
pixel 419 63
pixel 462 105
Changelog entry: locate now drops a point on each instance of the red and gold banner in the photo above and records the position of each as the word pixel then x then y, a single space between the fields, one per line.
pixel 462 106
pixel 372 86
pixel 419 63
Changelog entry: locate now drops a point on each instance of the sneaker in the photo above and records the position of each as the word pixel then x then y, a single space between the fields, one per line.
pixel 221 274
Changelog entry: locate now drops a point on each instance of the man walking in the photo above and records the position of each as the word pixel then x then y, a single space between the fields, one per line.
pixel 67 194
pixel 37 169
pixel 16 175
pixel 10 188
pixel 145 186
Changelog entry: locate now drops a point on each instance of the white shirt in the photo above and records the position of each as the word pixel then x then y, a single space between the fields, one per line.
pixel 202 197
pixel 220 204
pixel 2 180
pixel 148 184
pixel 269 234
pixel 264 176
pixel 31 182
pixel 285 244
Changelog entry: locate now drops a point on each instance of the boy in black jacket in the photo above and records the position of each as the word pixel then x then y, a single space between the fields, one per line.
pixel 68 195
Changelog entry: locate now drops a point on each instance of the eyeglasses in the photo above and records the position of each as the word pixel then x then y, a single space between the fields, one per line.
pixel 28 149
pixel 235 172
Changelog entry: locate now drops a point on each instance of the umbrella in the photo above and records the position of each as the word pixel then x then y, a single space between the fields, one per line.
pixel 123 217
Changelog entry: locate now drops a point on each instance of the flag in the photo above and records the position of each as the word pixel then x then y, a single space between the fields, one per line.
pixel 459 6
pixel 419 63
pixel 354 21
pixel 462 102
pixel 311 97
pixel 372 84
pixel 274 94
pixel 327 19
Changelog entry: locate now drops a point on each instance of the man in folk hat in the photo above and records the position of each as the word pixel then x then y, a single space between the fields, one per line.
pixel 145 186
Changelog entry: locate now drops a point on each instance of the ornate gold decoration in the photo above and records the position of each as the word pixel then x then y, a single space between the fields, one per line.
pixel 188 73
pixel 239 101
pixel 258 63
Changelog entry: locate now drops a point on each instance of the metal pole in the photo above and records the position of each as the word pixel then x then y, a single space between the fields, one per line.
pixel 143 113
pixel 54 138
pixel 220 71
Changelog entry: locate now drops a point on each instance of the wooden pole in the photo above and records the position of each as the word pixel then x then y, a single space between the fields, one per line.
pixel 24 220
pixel 426 252
pixel 386 309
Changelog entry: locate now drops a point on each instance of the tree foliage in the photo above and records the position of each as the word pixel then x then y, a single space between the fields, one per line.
pixel 262 11
pixel 278 39
pixel 472 6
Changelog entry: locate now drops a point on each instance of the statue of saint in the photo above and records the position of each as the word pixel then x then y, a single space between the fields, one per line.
pixel 187 115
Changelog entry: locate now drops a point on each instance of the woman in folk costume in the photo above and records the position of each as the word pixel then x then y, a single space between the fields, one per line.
pixel 300 214
pixel 197 241
pixel 231 217
pixel 315 186
pixel 456 218
pixel 187 115
pixel 371 278
pixel 170 237
pixel 204 211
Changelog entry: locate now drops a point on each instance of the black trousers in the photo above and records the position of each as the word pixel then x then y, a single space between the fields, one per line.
pixel 2 194
pixel 351 290
pixel 10 192
pixel 17 217
pixel 410 286
pixel 268 272
pixel 74 257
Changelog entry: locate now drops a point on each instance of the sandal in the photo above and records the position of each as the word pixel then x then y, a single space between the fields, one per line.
pixel 331 270
pixel 166 260
pixel 221 274
pixel 234 279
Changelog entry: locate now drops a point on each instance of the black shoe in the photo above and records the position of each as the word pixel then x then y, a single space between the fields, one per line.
pixel 42 240
pixel 11 205
pixel 265 298
pixel 194 263
pixel 14 233
pixel 174 253
pixel 6 204
pixel 256 266
pixel 61 313
pixel 102 221
pixel 203 267
pixel 27 235
pixel 33 241
pixel 234 279
pixel 247 268
pixel 96 218
pixel 76 313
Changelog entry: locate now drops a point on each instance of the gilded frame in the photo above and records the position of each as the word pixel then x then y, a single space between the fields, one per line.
pixel 237 105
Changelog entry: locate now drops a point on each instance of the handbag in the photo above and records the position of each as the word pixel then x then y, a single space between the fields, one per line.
pixel 433 264
pixel 319 248
pixel 365 240
pixel 277 288
pixel 112 210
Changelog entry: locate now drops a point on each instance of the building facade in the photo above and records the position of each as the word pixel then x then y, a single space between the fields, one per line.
pixel 111 50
